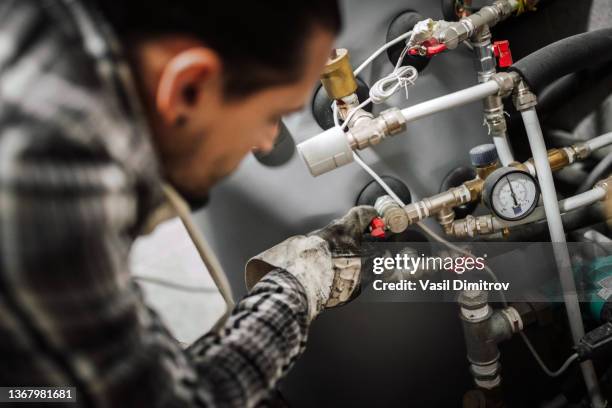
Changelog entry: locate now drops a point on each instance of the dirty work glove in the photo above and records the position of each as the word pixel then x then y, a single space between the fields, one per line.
pixel 326 262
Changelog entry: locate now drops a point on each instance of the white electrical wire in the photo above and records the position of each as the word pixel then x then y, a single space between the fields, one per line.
pixel 387 86
pixel 401 77
pixel 541 363
pixel 204 250
pixel 489 271
pixel 381 50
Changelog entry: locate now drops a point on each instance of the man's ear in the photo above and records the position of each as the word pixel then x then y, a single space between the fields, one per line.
pixel 181 78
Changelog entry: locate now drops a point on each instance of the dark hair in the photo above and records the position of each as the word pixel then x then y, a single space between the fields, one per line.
pixel 261 43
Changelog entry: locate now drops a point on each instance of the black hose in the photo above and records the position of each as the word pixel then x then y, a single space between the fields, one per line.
pixel 562 57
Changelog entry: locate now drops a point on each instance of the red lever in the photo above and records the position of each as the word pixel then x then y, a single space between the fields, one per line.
pixel 377 227
pixel 501 49
pixel 428 48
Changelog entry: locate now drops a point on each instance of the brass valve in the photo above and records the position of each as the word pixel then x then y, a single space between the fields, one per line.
pixel 337 76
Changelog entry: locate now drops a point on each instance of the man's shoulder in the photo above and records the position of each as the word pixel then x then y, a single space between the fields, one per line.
pixel 62 96
pixel 60 82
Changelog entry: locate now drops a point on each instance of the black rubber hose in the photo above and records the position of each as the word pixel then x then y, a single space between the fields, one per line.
pixel 562 57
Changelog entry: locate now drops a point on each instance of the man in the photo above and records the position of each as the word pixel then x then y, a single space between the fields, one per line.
pixel 87 138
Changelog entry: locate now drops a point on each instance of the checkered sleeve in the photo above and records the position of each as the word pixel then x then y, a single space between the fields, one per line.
pixel 258 344
pixel 77 319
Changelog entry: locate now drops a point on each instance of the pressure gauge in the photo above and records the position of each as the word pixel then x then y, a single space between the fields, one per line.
pixel 510 193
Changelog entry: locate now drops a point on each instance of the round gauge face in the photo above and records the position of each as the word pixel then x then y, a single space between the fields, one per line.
pixel 514 196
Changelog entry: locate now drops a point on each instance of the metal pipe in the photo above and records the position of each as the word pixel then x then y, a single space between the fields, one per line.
pixel 483 329
pixel 484 62
pixel 453 100
pixel 561 253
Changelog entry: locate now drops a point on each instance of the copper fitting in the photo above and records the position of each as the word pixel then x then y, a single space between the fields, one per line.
pixel 558 159
pixel 475 186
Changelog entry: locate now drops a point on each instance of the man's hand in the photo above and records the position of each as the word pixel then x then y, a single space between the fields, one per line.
pixel 344 234
pixel 326 262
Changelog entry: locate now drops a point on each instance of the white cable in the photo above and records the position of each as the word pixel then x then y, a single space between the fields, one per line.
pixel 541 363
pixel 204 250
pixel 387 86
pixel 384 88
pixel 489 271
pixel 377 178
pixel 381 50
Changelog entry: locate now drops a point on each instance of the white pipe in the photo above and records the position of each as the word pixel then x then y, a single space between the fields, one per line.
pixel 504 152
pixel 442 103
pixel 569 204
pixel 557 234
pixel 599 141
pixel 583 199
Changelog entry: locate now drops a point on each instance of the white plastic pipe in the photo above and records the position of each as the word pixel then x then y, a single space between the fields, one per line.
pixel 581 200
pixel 504 152
pixel 599 141
pixel 557 235
pixel 446 102
pixel 569 204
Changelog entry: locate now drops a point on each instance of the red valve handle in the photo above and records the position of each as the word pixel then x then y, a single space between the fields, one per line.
pixel 501 49
pixel 428 48
pixel 377 227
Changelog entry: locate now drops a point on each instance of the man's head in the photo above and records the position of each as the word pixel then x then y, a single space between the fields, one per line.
pixel 217 77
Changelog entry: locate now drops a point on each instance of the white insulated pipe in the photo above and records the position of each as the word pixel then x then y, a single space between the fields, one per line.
pixel 599 141
pixel 452 100
pixel 569 204
pixel 562 257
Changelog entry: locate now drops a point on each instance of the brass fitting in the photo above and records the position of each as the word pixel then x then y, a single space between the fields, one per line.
pixel 337 77
pixel 557 158
pixel 445 217
pixel 475 186
pixel 484 171
pixel 433 205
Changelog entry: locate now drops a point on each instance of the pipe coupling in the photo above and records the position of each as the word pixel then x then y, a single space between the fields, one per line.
pixel 523 98
pixel 507 81
pixel 606 184
pixel 471 226
pixel 513 318
pixel 367 133
pixel 394 216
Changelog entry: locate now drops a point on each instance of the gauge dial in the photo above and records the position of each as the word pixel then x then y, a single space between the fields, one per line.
pixel 511 194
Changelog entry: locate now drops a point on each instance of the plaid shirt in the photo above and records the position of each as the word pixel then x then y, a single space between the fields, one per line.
pixel 78 176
